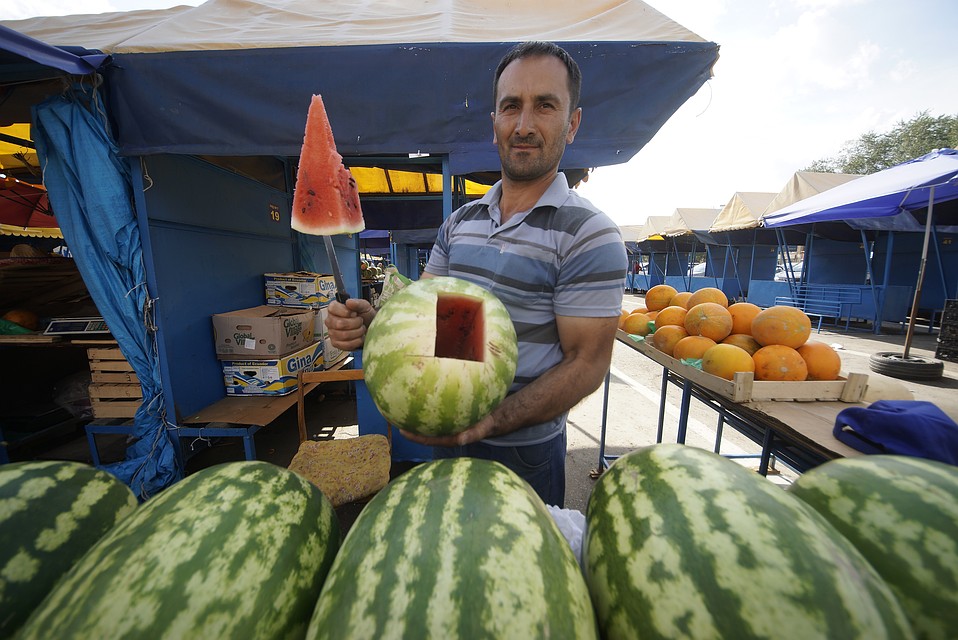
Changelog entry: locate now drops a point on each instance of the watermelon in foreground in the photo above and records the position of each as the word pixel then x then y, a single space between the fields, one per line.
pixel 440 355
pixel 51 513
pixel 683 543
pixel 457 548
pixel 326 198
pixel 239 550
pixel 902 514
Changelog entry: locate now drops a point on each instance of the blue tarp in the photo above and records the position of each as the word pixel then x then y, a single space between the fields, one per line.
pixel 89 187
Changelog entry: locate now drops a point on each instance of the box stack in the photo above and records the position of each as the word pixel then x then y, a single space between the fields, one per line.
pixel 305 289
pixel 948 334
pixel 263 348
pixel 115 390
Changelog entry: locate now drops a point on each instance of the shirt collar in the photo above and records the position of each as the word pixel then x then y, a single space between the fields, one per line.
pixel 554 196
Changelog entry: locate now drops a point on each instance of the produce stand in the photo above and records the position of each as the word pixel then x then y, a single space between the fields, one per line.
pixel 791 420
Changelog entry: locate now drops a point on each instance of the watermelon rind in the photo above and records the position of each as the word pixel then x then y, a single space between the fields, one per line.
pixel 455 548
pixel 902 515
pixel 237 550
pixel 429 395
pixel 51 513
pixel 683 543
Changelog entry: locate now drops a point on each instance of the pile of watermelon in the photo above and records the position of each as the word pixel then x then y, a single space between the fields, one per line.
pixel 679 543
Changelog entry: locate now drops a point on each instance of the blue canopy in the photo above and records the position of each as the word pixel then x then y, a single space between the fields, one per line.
pixel 896 191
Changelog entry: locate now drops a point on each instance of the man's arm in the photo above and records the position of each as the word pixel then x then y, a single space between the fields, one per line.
pixel 587 353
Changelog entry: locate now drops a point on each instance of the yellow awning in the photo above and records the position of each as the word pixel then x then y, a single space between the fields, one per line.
pixel 376 181
pixel 17 156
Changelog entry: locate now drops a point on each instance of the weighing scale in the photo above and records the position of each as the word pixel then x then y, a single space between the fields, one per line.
pixel 76 326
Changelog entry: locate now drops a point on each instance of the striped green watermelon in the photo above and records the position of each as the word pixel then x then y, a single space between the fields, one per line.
pixel 457 548
pixel 51 512
pixel 683 543
pixel 902 514
pixel 239 550
pixel 440 356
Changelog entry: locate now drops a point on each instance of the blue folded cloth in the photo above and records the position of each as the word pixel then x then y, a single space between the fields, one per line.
pixel 903 427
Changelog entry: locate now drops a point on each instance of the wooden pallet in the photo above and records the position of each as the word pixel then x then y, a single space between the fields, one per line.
pixel 115 391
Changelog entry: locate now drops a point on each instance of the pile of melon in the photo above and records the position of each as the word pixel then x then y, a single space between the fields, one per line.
pixel 727 338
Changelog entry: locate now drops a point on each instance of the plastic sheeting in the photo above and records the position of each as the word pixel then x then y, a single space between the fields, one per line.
pixel 89 185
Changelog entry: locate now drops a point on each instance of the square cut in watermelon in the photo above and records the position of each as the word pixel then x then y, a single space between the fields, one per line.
pixel 460 327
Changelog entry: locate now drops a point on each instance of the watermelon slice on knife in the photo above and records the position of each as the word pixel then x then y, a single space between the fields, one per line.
pixel 326 199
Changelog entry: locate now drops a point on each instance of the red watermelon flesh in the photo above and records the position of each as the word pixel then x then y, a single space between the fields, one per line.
pixel 326 199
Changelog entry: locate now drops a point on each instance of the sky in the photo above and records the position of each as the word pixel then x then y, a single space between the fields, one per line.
pixel 795 81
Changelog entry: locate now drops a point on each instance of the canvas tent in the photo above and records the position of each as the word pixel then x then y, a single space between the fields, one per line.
pixel 195 96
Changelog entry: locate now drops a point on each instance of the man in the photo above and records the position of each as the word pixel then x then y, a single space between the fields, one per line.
pixel 557 263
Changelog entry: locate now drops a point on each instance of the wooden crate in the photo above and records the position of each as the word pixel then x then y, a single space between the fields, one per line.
pixel 115 391
pixel 744 388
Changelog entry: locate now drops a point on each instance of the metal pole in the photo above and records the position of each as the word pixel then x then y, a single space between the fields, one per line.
pixel 921 274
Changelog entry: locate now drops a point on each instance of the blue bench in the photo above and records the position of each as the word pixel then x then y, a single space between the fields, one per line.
pixel 823 301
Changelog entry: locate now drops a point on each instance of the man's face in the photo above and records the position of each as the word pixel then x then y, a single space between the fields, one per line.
pixel 532 124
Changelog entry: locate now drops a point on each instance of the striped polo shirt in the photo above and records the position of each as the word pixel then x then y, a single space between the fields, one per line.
pixel 562 257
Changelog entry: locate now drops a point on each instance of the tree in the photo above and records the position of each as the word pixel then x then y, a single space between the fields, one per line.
pixel 908 139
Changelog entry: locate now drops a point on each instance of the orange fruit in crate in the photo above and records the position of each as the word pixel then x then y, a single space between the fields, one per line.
pixel 783 325
pixel 670 315
pixel 659 296
pixel 622 316
pixel 709 319
pixel 742 315
pixel 708 294
pixel 725 360
pixel 637 324
pixel 822 361
pixel 780 363
pixel 692 347
pixel 744 341
pixel 652 314
pixel 667 337
pixel 681 299
pixel 640 310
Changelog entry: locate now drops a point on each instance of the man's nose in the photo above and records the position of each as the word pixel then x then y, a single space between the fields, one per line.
pixel 526 122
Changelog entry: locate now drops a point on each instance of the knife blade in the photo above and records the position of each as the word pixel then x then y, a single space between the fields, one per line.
pixel 341 294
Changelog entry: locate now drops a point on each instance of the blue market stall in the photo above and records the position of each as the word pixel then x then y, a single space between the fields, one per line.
pixel 206 107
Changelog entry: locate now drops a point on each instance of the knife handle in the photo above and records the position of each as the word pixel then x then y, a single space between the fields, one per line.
pixel 342 296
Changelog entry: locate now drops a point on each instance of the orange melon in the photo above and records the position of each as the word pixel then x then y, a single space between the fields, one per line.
pixel 670 315
pixel 744 341
pixel 692 347
pixel 725 360
pixel 622 316
pixel 709 319
pixel 652 314
pixel 667 337
pixel 742 315
pixel 708 294
pixel 659 296
pixel 681 299
pixel 782 325
pixel 640 310
pixel 637 324
pixel 780 363
pixel 822 361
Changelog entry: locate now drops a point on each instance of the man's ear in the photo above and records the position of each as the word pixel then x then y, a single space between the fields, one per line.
pixel 574 122
pixel 492 116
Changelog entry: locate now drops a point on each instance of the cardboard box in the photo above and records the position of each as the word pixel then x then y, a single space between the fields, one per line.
pixel 271 377
pixel 331 355
pixel 262 332
pixel 299 289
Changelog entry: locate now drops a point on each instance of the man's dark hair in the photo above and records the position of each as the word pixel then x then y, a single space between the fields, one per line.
pixel 532 49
